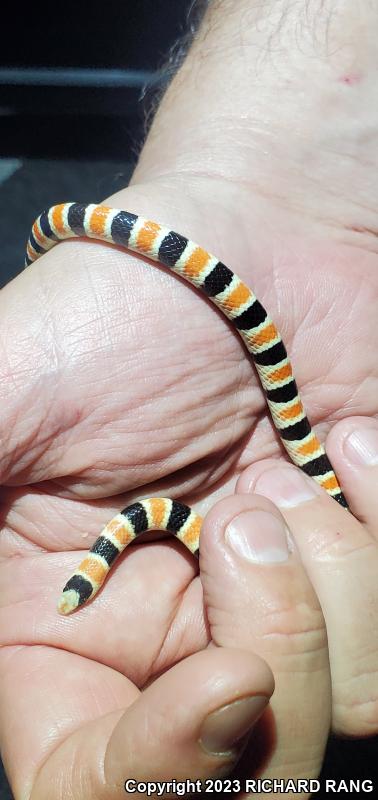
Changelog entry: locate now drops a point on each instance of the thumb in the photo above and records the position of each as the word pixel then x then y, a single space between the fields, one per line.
pixel 192 722
pixel 189 724
pixel 258 597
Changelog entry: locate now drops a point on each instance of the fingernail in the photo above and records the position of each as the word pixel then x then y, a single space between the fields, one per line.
pixel 259 537
pixel 286 487
pixel 361 446
pixel 225 727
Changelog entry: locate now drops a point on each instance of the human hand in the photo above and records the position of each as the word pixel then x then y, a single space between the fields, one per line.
pixel 77 401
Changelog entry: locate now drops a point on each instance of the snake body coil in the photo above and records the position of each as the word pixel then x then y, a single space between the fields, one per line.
pixel 259 334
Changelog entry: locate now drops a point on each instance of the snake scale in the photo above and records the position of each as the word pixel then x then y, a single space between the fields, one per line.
pixel 262 341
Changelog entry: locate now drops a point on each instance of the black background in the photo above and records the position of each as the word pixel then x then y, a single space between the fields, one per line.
pixel 81 142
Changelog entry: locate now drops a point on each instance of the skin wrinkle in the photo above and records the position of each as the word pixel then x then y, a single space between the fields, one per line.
pixel 61 425
pixel 25 445
pixel 8 378
pixel 49 327
pixel 17 530
pixel 338 227
pixel 42 335
pixel 369 386
pixel 85 518
pixel 42 442
pixel 365 243
pixel 98 294
pixel 163 644
pixel 34 454
pixel 96 411
pixel 294 203
pixel 277 613
pixel 317 643
pixel 203 406
pixel 370 721
pixel 14 543
pixel 189 620
pixel 193 479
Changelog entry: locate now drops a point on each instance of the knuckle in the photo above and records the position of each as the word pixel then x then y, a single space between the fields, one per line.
pixel 298 631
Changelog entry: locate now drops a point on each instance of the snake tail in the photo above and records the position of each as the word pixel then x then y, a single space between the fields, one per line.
pixel 155 513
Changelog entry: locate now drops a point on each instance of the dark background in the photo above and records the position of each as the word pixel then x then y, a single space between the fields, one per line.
pixel 76 134
pixel 78 84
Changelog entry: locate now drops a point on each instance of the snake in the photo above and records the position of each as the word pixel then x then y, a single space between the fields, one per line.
pixel 262 342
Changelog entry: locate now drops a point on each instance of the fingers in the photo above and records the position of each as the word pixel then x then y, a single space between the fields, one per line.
pixel 191 723
pixel 353 447
pixel 258 597
pixel 341 558
pixel 46 694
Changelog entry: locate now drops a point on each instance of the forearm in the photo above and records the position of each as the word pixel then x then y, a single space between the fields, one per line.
pixel 273 98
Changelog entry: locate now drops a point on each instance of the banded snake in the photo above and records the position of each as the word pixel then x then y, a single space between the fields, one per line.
pixel 262 341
